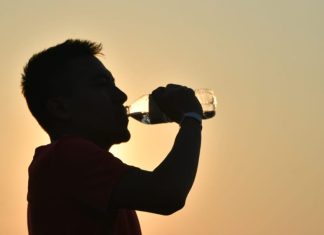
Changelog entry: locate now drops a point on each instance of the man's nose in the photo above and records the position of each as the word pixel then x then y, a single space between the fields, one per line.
pixel 120 96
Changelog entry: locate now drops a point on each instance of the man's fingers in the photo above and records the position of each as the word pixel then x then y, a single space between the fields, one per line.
pixel 158 93
pixel 175 87
pixel 171 89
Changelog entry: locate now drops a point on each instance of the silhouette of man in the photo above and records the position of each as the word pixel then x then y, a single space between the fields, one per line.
pixel 75 185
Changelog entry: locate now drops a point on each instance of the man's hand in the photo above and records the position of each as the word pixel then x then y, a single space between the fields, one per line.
pixel 175 101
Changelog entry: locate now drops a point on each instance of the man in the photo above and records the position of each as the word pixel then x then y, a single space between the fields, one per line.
pixel 75 185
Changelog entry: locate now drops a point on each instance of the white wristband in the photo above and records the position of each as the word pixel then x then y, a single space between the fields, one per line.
pixel 193 115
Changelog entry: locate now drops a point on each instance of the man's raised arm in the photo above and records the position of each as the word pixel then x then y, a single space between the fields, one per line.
pixel 164 190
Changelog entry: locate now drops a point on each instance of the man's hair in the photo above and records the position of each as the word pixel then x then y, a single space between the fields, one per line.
pixel 46 75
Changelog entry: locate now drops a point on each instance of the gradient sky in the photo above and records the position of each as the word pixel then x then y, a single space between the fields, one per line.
pixel 262 160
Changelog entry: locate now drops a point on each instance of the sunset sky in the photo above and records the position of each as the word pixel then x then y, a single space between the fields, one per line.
pixel 262 160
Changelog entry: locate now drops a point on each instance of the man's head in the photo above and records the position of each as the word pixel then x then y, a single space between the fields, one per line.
pixel 70 92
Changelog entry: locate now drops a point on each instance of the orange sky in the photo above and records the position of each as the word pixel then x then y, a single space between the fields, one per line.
pixel 261 167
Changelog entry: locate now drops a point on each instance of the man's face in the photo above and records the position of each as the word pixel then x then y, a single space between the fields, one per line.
pixel 96 104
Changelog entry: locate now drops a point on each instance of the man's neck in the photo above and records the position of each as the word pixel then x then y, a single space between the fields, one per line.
pixel 97 141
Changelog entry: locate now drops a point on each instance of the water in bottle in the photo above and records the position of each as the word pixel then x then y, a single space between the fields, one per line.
pixel 145 110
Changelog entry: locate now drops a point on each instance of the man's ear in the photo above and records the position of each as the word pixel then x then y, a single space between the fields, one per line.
pixel 58 107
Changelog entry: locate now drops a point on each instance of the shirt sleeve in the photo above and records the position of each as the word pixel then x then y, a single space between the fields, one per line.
pixel 89 173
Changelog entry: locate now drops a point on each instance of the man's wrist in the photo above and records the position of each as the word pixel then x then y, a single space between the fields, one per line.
pixel 193 117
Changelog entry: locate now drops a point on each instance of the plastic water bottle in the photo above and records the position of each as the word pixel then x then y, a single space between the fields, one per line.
pixel 145 110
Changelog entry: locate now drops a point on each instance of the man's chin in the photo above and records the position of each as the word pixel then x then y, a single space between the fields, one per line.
pixel 122 137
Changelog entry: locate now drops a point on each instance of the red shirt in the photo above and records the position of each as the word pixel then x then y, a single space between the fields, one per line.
pixel 70 183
